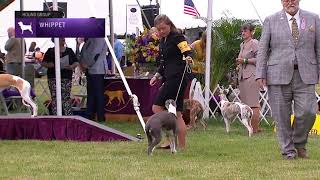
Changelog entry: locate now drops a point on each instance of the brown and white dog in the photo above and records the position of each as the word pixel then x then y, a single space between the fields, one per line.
pixel 229 110
pixel 24 88
pixel 195 113
pixel 165 122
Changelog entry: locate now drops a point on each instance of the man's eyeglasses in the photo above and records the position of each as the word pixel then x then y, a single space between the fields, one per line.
pixel 287 1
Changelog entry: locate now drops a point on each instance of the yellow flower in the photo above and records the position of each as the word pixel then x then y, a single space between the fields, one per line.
pixel 144 54
pixel 155 36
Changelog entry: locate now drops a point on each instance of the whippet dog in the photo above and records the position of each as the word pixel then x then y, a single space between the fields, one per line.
pixel 165 122
pixel 24 88
pixel 230 109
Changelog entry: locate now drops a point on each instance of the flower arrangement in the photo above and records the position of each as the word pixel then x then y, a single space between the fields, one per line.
pixel 145 47
pixel 129 50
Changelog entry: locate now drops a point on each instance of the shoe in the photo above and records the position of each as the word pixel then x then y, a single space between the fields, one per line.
pixel 290 157
pixel 258 131
pixel 302 153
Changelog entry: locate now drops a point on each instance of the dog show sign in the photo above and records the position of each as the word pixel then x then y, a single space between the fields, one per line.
pixel 32 25
pixel 315 130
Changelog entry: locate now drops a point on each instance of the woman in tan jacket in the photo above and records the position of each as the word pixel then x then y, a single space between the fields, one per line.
pixel 249 89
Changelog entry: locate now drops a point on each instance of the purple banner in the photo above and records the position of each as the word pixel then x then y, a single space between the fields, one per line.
pixel 62 128
pixel 60 27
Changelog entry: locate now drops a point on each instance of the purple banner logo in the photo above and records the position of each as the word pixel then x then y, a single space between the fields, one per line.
pixel 118 98
pixel 60 27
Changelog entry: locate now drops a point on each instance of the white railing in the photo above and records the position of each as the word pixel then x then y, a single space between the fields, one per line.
pixel 265 110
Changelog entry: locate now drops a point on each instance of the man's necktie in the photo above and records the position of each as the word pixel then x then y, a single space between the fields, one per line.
pixel 295 31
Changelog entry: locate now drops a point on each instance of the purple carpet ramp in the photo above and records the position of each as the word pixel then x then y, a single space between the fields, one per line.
pixel 64 128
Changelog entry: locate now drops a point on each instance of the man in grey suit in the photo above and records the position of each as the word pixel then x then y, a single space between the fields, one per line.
pixel 92 61
pixel 288 63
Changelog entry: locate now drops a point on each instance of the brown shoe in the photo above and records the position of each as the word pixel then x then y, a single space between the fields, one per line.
pixel 302 153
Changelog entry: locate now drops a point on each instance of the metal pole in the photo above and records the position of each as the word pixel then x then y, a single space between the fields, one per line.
pixel 144 15
pixel 57 66
pixel 113 69
pixel 254 7
pixel 126 85
pixel 158 5
pixel 208 56
pixel 23 47
pixel 126 39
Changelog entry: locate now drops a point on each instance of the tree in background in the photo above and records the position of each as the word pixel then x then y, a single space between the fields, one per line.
pixel 225 47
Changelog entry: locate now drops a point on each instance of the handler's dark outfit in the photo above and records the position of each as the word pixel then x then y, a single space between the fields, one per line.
pixel 172 65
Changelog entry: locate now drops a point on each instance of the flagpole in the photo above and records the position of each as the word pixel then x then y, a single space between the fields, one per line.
pixel 144 15
pixel 208 56
pixel 57 66
pixel 254 7
pixel 126 39
pixel 23 47
pixel 113 67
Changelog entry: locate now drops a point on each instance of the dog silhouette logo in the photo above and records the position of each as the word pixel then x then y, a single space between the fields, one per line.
pixel 25 27
pixel 117 98
pixel 113 95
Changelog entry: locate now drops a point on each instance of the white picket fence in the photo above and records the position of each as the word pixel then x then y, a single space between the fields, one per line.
pixel 196 92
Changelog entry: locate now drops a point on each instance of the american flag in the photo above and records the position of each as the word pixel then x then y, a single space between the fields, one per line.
pixel 190 8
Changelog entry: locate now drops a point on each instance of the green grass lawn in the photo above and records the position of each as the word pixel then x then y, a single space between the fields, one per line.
pixel 211 154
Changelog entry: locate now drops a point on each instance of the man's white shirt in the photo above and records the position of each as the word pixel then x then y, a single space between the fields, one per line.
pixel 297 17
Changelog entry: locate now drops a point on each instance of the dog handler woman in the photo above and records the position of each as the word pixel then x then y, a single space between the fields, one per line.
pixel 249 88
pixel 173 47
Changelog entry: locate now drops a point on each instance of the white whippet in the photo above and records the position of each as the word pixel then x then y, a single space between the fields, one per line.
pixel 24 88
pixel 230 109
